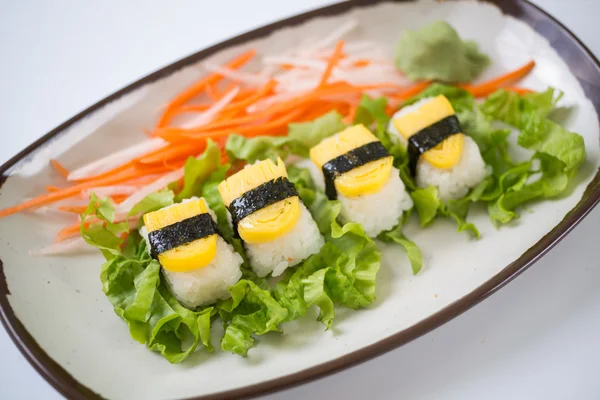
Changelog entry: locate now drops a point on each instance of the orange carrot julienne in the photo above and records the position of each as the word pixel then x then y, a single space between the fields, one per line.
pixel 73 209
pixel 193 108
pixel 519 90
pixel 350 117
pixel 170 153
pixel 68 192
pixel 108 173
pixel 52 188
pixel 226 90
pixel 211 91
pixel 69 231
pixel 200 86
pixel 333 60
pixel 486 88
pixel 59 167
pixel 412 91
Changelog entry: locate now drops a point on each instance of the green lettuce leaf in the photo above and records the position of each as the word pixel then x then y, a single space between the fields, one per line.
pixel 301 137
pixel 343 272
pixel 547 137
pixel 560 153
pixel 512 108
pixel 413 252
pixel 373 111
pixel 259 148
pixel 459 98
pixel 153 202
pixel 131 281
pixel 251 311
pixel 197 170
pixel 309 134
pixel 428 206
pixel 101 231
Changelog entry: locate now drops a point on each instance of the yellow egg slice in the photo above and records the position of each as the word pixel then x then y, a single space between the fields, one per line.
pixel 271 222
pixel 340 144
pixel 366 179
pixel 251 177
pixel 191 256
pixel 446 154
pixel 188 257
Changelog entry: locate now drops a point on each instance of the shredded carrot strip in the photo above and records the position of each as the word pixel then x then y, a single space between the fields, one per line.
pixel 200 86
pixel 363 62
pixel 333 60
pixel 69 231
pixel 52 188
pixel 351 115
pixel 193 108
pixel 412 91
pixel 226 90
pixel 212 92
pixel 521 91
pixel 59 167
pixel 119 198
pixel 73 209
pixel 108 173
pixel 69 192
pixel 171 153
pixel 486 88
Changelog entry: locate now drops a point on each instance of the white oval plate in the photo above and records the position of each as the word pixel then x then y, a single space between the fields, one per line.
pixel 56 312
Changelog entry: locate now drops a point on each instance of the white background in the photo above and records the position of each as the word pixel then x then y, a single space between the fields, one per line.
pixel 535 338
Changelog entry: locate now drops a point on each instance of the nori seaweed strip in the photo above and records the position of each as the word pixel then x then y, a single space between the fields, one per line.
pixel 347 162
pixel 428 138
pixel 182 232
pixel 260 197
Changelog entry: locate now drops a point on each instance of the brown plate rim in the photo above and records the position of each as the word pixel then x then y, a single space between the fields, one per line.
pixel 574 53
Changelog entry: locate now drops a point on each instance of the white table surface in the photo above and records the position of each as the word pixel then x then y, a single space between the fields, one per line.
pixel 535 338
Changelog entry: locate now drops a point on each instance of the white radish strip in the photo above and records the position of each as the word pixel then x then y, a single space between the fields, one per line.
pixel 296 62
pixel 238 76
pixel 367 76
pixel 269 101
pixel 72 245
pixel 208 115
pixel 115 159
pixel 300 81
pixel 268 71
pixel 50 211
pixel 374 93
pixel 161 183
pixel 349 62
pixel 360 45
pixel 333 37
pixel 106 191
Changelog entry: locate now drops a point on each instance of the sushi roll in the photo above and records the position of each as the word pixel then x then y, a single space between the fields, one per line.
pixel 267 214
pixel 439 154
pixel 355 168
pixel 197 263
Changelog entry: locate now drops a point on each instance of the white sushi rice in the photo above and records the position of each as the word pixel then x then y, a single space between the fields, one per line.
pixel 207 284
pixel 376 212
pixel 452 183
pixel 276 256
pixel 381 211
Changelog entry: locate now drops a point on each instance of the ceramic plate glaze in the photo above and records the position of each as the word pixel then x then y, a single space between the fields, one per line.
pixel 55 310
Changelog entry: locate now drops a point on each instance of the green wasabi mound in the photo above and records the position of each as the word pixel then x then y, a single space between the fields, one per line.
pixel 435 51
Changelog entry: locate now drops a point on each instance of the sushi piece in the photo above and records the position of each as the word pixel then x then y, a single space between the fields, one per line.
pixel 197 263
pixel 439 153
pixel 268 215
pixel 355 168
